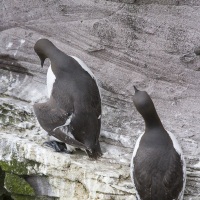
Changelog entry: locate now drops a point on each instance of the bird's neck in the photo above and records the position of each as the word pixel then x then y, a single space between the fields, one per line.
pixel 152 121
pixel 53 53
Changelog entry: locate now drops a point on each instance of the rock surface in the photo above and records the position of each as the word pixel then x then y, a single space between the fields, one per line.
pixel 151 44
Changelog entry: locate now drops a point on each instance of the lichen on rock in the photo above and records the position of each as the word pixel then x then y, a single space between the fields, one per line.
pixel 12 116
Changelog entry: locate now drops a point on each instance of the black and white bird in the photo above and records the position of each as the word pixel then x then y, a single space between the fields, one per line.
pixel 73 112
pixel 158 169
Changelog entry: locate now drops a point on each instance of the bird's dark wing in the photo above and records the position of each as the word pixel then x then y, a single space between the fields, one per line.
pixel 57 133
pixel 95 105
pixel 50 118
pixel 159 176
pixel 141 175
pixel 173 178
pixel 95 100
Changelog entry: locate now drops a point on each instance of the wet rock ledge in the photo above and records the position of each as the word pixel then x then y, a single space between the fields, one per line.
pixel 31 171
pixel 151 44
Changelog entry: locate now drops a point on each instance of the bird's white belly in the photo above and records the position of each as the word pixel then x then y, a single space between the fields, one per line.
pixel 137 144
pixel 179 151
pixel 50 81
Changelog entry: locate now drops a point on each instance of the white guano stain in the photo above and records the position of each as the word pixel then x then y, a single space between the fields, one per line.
pixel 9 45
pixel 22 41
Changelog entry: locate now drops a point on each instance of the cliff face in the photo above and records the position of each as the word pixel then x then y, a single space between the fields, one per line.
pixel 151 44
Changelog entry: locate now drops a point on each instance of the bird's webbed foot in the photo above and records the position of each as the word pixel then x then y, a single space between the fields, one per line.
pixel 57 146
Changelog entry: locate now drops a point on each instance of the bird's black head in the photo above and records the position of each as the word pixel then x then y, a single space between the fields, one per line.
pixel 42 47
pixel 143 103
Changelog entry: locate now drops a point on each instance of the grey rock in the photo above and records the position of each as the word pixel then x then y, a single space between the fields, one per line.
pixel 149 44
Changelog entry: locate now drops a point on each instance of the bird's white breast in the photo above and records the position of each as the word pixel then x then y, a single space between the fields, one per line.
pixel 50 81
pixel 137 144
pixel 179 151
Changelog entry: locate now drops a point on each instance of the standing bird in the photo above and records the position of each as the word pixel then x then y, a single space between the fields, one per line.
pixel 73 112
pixel 158 168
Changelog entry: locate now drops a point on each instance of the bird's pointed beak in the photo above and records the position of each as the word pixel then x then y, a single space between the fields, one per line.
pixel 42 63
pixel 136 90
pixel 42 59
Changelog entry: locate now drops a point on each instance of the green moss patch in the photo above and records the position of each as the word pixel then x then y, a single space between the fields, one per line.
pixel 17 185
pixel 21 197
pixel 16 167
